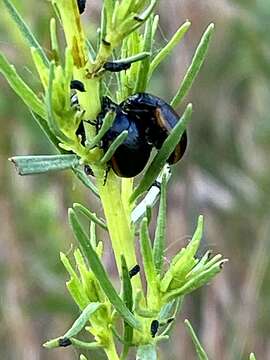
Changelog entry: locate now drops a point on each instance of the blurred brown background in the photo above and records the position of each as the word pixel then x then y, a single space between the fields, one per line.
pixel 225 176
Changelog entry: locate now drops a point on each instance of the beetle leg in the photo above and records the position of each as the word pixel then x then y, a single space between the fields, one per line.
pixel 107 105
pixel 108 168
pixel 77 85
pixel 88 171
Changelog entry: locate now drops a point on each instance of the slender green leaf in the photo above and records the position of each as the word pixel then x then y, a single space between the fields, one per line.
pixel 199 349
pixel 127 287
pixel 155 26
pixel 74 284
pixel 142 75
pixel 86 181
pixel 116 334
pixel 79 324
pixel 54 40
pixel 133 58
pixel 170 313
pixel 29 165
pixel 20 88
pixel 128 27
pixel 90 215
pixel 106 124
pixel 160 234
pixel 196 281
pixel 146 352
pixel 165 52
pixel 125 8
pixel 148 260
pixel 82 357
pixel 55 343
pixel 252 356
pixel 128 300
pixel 148 214
pixel 100 272
pixel 85 345
pixel 25 30
pixel 47 131
pixel 147 12
pixel 183 262
pixel 49 106
pixel 114 146
pixel 51 344
pixel 93 237
pixel 193 70
pixel 140 310
pixel 162 155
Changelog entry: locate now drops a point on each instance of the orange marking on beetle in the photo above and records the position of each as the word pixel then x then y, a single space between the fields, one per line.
pixel 162 122
pixel 115 166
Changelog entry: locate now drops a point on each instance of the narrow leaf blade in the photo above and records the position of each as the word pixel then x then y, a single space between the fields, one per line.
pixel 142 76
pixel 30 165
pixel 86 181
pixel 25 30
pixel 147 254
pixel 49 107
pixel 199 349
pixel 162 155
pixel 20 87
pixel 165 52
pixel 194 68
pixel 114 146
pixel 90 215
pixel 128 300
pixel 79 324
pixel 160 234
pixel 100 272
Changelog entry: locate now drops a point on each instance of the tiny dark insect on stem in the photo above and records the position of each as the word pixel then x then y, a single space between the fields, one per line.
pixel 134 271
pixel 64 342
pixel 154 327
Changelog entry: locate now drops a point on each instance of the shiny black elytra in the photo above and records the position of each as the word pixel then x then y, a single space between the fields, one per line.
pixel 132 155
pixel 159 118
pixel 149 120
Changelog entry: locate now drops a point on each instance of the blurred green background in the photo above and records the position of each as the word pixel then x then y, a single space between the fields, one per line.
pixel 225 175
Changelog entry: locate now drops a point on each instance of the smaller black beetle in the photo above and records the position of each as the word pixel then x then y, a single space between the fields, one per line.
pixel 159 119
pixel 81 5
pixel 64 342
pixel 115 66
pixel 134 271
pixel 132 155
pixel 154 328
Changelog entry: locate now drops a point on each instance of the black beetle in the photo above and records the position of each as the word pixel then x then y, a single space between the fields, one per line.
pixel 64 342
pixel 81 5
pixel 149 121
pixel 132 155
pixel 159 118
pixel 115 66
pixel 154 328
pixel 134 271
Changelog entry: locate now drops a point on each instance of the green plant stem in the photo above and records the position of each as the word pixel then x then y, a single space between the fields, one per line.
pixel 110 194
pixel 111 350
pixel 121 234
